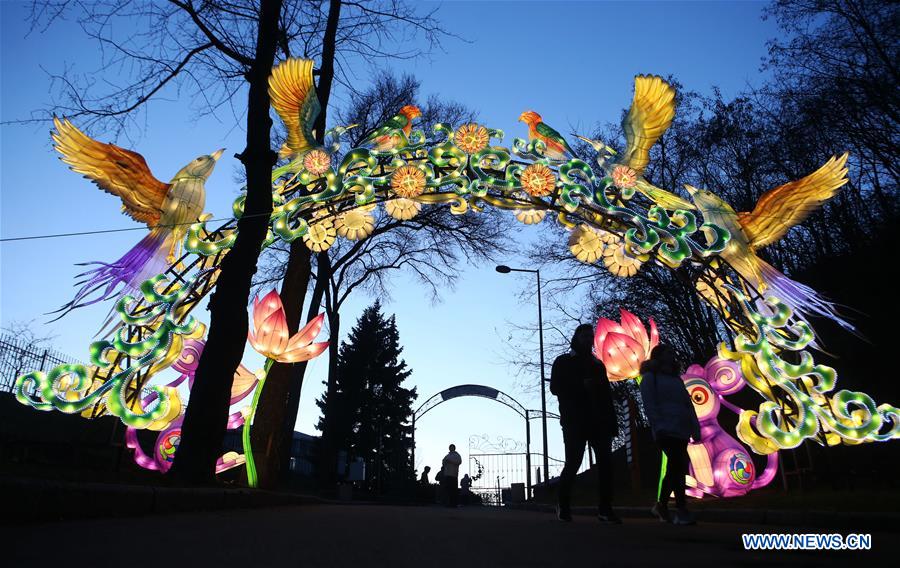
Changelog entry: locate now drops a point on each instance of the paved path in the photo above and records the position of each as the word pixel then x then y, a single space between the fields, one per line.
pixel 420 537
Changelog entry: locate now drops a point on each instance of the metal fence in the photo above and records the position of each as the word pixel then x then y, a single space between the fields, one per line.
pixel 18 355
pixel 494 474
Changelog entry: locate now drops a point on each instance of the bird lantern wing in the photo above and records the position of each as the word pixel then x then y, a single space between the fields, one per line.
pixel 547 132
pixel 115 170
pixel 293 95
pixel 663 198
pixel 781 208
pixel 651 113
pixel 396 122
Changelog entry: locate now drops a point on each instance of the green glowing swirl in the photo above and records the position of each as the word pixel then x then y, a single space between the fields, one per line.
pixel 490 175
pixel 68 388
pixel 364 175
pixel 843 417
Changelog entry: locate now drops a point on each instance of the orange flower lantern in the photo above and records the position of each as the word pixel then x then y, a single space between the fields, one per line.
pixel 408 181
pixel 538 180
pixel 472 138
pixel 624 177
pixel 317 162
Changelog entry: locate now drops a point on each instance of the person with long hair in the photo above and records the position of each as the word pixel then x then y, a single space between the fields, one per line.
pixel 587 415
pixel 673 422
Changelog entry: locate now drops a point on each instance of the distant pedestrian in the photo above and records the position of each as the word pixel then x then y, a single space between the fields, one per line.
pixel 439 495
pixel 450 475
pixel 424 479
pixel 587 415
pixel 464 485
pixel 673 422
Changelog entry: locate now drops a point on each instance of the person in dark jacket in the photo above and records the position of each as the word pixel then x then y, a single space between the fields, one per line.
pixel 423 480
pixel 587 415
pixel 673 422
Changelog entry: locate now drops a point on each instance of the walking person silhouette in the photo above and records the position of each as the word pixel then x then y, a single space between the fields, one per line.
pixel 587 415
pixel 673 422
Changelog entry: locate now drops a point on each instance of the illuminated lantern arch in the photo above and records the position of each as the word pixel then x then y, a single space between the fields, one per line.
pixel 616 217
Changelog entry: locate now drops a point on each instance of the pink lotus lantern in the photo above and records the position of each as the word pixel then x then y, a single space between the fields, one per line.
pixel 270 336
pixel 624 346
pixel 271 339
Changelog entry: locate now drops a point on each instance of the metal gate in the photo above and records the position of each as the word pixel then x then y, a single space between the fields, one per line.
pixel 496 465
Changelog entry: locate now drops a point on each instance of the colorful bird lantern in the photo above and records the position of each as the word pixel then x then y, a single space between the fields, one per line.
pixel 556 146
pixel 166 208
pixel 386 137
pixel 324 193
pixel 622 347
pixel 775 213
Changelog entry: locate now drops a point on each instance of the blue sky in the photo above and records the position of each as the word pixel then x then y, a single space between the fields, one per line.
pixel 573 62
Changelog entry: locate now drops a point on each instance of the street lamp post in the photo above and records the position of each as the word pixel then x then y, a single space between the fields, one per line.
pixel 503 269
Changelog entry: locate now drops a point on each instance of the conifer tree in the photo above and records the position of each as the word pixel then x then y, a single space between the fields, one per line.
pixel 370 410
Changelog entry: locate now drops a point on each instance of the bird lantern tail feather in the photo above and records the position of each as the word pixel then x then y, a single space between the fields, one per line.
pixel 146 259
pixel 800 298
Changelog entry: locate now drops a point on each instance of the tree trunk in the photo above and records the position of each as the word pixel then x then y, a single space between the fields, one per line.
pixel 328 465
pixel 280 401
pixel 207 413
pixel 293 400
pixel 284 379
pixel 326 71
pixel 328 449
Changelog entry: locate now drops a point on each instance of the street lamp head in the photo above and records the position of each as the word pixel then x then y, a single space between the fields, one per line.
pixel 503 269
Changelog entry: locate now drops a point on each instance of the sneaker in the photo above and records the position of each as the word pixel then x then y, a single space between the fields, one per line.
pixel 661 512
pixel 563 514
pixel 683 517
pixel 609 518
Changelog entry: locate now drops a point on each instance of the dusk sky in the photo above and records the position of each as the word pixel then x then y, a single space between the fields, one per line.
pixel 572 62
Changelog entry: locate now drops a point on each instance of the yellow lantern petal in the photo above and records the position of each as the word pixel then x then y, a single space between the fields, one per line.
pixel 585 244
pixel 402 208
pixel 609 238
pixel 320 236
pixel 355 224
pixel 715 293
pixel 619 262
pixel 530 216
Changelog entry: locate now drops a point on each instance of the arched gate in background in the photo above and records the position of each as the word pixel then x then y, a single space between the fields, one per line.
pixel 483 391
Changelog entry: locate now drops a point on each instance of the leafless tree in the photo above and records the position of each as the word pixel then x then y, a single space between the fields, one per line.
pixel 833 88
pixel 214 50
pixel 430 247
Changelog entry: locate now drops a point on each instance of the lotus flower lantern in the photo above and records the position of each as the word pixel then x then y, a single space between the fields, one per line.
pixel 623 346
